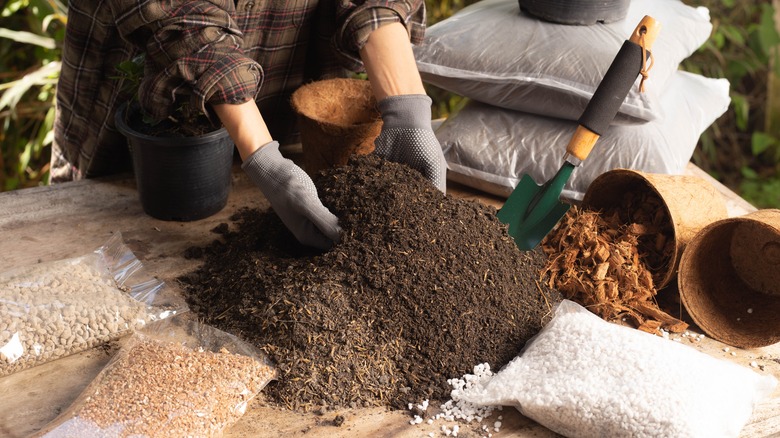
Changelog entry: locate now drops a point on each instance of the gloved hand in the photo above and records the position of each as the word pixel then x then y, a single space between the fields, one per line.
pixel 293 197
pixel 407 137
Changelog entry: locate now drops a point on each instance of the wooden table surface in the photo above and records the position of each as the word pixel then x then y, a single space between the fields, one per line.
pixel 68 220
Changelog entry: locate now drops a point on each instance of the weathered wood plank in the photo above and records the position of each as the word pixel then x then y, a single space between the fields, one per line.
pixel 52 223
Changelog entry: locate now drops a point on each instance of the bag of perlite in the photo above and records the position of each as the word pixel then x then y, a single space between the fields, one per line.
pixel 584 377
pixel 54 309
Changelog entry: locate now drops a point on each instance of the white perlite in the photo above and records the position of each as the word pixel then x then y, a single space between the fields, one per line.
pixel 584 377
pixel 457 408
pixel 54 309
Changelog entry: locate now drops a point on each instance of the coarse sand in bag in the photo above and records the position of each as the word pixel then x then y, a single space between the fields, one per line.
pixel 421 287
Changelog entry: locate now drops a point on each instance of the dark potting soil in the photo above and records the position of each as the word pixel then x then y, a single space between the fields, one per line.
pixel 183 127
pixel 420 289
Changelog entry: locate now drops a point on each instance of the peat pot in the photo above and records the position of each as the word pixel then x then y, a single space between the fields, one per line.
pixel 179 178
pixel 730 279
pixel 338 118
pixel 689 203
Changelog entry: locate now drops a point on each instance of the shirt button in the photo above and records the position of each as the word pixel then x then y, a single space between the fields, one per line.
pixel 249 6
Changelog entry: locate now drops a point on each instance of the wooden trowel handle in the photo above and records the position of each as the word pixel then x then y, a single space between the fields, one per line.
pixel 632 59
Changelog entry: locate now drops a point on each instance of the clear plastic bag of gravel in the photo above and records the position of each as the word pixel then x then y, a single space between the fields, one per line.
pixel 584 377
pixel 54 309
pixel 175 378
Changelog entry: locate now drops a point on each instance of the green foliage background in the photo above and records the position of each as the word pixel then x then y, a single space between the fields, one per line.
pixel 742 149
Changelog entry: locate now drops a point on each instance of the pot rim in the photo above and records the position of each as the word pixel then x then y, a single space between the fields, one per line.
pixel 129 132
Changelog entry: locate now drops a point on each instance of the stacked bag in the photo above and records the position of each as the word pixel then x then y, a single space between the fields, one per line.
pixel 528 81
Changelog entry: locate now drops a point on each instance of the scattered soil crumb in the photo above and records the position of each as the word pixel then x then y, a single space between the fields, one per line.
pixel 420 288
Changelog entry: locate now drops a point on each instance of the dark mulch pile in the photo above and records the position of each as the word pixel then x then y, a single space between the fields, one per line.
pixel 421 288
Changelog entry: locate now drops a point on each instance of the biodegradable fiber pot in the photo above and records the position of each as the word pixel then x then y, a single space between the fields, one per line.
pixel 690 204
pixel 179 178
pixel 338 118
pixel 730 279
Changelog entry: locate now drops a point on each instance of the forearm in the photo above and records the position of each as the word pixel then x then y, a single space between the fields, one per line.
pixel 245 125
pixel 390 64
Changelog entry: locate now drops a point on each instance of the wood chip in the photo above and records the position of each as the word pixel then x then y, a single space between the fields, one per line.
pixel 600 260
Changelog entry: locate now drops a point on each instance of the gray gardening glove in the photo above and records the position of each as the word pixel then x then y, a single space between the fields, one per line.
pixel 293 197
pixel 407 137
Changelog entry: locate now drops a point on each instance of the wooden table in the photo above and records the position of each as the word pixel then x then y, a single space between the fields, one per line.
pixel 68 220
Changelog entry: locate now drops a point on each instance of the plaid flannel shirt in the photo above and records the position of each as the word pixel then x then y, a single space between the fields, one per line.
pixel 213 51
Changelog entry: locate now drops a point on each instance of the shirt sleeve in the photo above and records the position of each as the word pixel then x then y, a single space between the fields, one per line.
pixel 192 49
pixel 358 19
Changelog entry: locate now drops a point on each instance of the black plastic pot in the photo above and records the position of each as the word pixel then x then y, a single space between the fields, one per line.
pixel 577 12
pixel 179 178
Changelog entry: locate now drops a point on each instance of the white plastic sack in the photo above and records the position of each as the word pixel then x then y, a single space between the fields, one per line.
pixel 496 54
pixel 491 148
pixel 584 377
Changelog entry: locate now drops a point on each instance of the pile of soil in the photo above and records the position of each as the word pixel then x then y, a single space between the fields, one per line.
pixel 420 289
pixel 605 261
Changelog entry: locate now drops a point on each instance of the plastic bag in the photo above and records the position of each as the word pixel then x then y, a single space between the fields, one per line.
pixel 177 377
pixel 54 309
pixel 491 148
pixel 584 377
pixel 496 54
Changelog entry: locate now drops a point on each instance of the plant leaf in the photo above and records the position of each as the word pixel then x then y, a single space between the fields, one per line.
pixel 13 7
pixel 767 32
pixel 761 141
pixel 28 38
pixel 741 110
pixel 748 173
pixel 14 90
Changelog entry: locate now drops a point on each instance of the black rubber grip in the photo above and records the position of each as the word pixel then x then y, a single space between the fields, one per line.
pixel 613 89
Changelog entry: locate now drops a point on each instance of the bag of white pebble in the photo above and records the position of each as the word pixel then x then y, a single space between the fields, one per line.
pixel 584 377
pixel 175 378
pixel 54 309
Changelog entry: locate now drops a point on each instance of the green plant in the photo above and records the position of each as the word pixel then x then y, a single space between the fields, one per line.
pixel 762 191
pixel 740 149
pixel 184 121
pixel 30 35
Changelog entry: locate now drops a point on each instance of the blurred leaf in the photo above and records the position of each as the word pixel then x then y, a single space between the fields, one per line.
pixel 748 173
pixel 11 183
pixel 733 33
pixel 763 193
pixel 28 38
pixel 46 131
pixel 62 18
pixel 719 40
pixel 708 145
pixel 741 110
pixel 767 32
pixel 761 142
pixel 15 90
pixel 13 7
pixel 130 68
